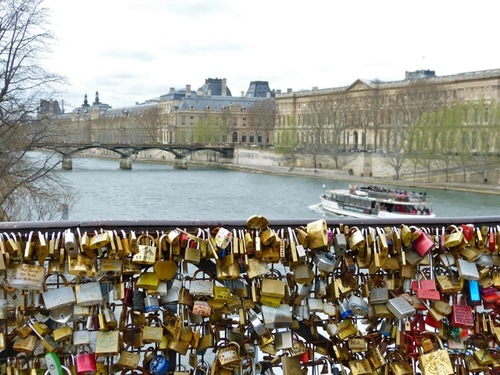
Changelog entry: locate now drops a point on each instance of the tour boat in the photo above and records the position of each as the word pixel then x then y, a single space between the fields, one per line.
pixel 376 202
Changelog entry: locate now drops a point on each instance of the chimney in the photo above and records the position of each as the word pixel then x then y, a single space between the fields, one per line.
pixel 209 92
pixel 188 91
pixel 268 94
pixel 172 89
pixel 224 87
pixel 288 91
pixel 315 88
pixel 278 92
pixel 243 94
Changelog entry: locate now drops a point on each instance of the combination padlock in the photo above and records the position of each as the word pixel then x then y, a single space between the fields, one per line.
pixel 159 365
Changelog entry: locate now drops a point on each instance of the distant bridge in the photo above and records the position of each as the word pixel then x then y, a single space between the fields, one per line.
pixel 180 151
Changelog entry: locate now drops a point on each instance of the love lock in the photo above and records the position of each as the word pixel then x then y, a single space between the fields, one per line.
pixel 54 365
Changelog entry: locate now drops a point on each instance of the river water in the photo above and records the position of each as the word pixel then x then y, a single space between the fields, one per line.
pixel 159 192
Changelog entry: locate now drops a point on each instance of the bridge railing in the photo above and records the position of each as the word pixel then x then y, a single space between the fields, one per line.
pixel 329 263
pixel 190 225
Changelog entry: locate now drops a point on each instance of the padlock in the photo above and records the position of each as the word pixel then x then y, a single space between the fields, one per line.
pixel 192 253
pixel 339 244
pixel 28 276
pixel 159 365
pixel 81 336
pixel 152 332
pixel 317 234
pixel 355 238
pixel 85 361
pixel 146 254
pixel 283 339
pixel 467 270
pixel 58 297
pixel 461 315
pixel 229 356
pixel 400 307
pixel 62 333
pixel 110 267
pixel 129 359
pixel 421 241
pixel 107 343
pixel 54 366
pixel 70 243
pixel 379 296
pixel 358 305
pixel 325 262
pixel 166 269
pixel 48 341
pixel 344 310
pixel 81 265
pixel 201 285
pixel 88 293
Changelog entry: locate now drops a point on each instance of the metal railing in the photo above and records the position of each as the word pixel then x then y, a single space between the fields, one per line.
pixel 158 225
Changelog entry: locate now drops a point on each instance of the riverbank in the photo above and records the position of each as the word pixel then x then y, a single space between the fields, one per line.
pixel 344 176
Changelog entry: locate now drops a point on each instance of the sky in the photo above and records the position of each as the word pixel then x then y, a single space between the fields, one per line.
pixel 134 50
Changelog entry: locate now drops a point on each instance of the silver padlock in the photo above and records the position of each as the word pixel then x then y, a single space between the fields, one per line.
pixel 379 296
pixel 358 305
pixel 70 243
pixel 400 307
pixel 151 303
pixel 339 244
pixel 325 262
pixel 81 336
pixel 344 310
pixel 259 327
pixel 283 340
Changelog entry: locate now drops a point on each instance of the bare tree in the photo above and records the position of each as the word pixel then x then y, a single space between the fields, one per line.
pixel 417 100
pixel 29 190
pixel 150 124
pixel 262 116
pixel 317 121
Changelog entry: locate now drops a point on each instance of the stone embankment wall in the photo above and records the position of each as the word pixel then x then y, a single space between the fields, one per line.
pixel 357 163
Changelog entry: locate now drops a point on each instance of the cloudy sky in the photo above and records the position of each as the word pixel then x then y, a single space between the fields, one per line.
pixel 134 50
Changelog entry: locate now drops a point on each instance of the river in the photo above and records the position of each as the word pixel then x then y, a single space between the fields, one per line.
pixel 153 191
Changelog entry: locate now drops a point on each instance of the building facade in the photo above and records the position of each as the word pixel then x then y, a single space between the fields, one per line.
pixel 364 115
pixel 209 115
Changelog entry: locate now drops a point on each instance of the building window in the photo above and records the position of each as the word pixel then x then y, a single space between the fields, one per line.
pixel 244 138
pixel 235 137
pixel 259 138
pixel 252 138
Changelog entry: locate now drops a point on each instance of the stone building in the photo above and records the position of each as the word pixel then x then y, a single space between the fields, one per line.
pixel 365 115
pixel 208 115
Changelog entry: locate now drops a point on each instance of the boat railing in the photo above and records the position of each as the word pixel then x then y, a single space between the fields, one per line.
pixel 397 197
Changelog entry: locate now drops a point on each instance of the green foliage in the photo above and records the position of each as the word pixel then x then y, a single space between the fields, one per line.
pixel 288 139
pixel 208 132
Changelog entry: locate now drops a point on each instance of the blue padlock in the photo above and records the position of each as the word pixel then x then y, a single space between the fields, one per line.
pixel 472 293
pixel 159 365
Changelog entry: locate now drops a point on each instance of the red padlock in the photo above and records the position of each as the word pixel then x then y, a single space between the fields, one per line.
pixel 85 361
pixel 468 231
pixel 422 242
pixel 461 315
